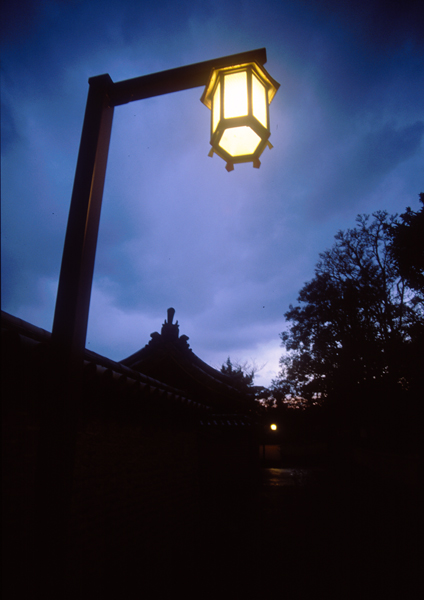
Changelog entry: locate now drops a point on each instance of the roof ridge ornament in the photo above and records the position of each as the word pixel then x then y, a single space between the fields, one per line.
pixel 170 330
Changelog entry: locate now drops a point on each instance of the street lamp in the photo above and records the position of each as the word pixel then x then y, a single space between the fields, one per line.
pixel 238 135
pixel 58 428
pixel 238 97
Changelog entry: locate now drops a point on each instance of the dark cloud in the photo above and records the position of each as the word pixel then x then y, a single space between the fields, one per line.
pixel 381 151
pixel 374 156
pixel 11 278
pixel 19 19
pixel 9 131
pixel 381 24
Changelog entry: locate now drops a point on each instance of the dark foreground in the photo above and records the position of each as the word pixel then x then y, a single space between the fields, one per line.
pixel 306 533
pixel 331 534
pixel 331 531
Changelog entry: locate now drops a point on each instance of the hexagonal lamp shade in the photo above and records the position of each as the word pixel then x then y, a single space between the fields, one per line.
pixel 239 97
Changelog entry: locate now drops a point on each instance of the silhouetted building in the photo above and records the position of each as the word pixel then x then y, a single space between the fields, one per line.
pixel 162 438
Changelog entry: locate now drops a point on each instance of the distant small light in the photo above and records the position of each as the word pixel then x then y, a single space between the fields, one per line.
pixel 239 97
pixel 273 427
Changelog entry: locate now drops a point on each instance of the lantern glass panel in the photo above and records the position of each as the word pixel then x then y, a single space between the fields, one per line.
pixel 216 107
pixel 259 101
pixel 239 141
pixel 235 95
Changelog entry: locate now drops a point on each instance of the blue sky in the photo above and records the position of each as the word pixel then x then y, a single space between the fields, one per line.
pixel 229 251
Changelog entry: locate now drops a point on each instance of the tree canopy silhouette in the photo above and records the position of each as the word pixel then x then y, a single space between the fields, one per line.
pixel 241 376
pixel 407 247
pixel 357 335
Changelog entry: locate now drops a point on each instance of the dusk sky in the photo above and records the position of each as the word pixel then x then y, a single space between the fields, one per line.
pixel 229 251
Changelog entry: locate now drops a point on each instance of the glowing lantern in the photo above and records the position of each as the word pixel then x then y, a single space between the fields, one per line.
pixel 239 97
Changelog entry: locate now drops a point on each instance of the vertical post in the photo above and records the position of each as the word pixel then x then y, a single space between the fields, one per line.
pixel 56 448
pixel 76 275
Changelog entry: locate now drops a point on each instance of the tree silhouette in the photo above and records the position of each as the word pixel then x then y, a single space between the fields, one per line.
pixel 357 334
pixel 241 376
pixel 407 247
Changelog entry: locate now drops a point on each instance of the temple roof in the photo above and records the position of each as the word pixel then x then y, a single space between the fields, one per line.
pixel 166 366
pixel 169 358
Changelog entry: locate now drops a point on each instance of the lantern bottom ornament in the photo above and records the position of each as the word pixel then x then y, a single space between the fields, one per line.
pixel 256 163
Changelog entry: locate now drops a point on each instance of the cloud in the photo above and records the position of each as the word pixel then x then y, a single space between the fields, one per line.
pixel 362 163
pixel 381 151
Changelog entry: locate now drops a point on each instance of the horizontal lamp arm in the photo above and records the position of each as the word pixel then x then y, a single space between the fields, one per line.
pixel 176 80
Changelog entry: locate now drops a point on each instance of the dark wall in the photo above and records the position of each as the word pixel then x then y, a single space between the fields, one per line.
pixel 144 474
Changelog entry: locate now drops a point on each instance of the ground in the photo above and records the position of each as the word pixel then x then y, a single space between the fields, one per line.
pixel 332 532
